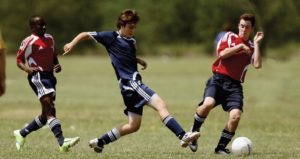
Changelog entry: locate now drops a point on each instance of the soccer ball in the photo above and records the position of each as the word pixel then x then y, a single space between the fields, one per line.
pixel 241 146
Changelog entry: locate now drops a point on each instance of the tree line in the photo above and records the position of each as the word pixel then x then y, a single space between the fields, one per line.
pixel 163 22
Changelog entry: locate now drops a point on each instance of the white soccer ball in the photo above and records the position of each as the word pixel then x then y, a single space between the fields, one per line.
pixel 241 146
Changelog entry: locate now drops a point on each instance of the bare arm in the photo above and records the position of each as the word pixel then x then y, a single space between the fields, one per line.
pixel 256 57
pixel 57 67
pixel 81 36
pixel 2 72
pixel 234 50
pixel 27 69
pixel 142 62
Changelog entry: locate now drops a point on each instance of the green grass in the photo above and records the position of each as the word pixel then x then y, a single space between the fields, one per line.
pixel 89 104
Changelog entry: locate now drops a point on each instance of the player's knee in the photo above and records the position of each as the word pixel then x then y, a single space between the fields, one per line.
pixel 235 117
pixel 208 105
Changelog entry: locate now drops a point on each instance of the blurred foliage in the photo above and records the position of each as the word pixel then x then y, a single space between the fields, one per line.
pixel 163 22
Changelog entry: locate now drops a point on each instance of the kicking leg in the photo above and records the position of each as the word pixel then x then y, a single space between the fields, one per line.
pixel 159 105
pixel 199 118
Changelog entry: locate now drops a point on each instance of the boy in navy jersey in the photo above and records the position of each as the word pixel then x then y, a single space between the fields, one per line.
pixel 37 57
pixel 121 47
pixel 234 53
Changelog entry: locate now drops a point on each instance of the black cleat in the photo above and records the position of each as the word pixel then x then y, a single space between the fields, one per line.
pixel 222 151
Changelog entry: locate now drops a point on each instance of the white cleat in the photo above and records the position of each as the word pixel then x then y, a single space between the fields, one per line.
pixel 94 144
pixel 189 137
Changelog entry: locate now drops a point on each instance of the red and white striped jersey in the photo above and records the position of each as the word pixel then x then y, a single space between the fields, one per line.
pixel 38 52
pixel 236 65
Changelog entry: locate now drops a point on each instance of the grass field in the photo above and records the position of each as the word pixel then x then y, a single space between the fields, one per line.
pixel 89 104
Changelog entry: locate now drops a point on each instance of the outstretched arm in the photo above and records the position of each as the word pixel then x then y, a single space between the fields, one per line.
pixel 81 36
pixel 256 58
pixel 142 62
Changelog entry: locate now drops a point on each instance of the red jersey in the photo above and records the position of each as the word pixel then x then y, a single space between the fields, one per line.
pixel 236 65
pixel 38 52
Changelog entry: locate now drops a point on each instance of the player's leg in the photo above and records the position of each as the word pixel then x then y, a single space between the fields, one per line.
pixel 229 131
pixel 159 105
pixel 234 105
pixel 199 118
pixel 208 103
pixel 133 125
pixel 20 135
pixel 202 112
pixel 49 111
pixel 35 83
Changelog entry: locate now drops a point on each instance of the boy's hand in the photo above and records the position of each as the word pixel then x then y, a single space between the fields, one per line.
pixel 258 37
pixel 67 48
pixel 57 68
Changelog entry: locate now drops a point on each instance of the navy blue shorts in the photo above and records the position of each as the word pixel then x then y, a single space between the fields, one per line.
pixel 42 83
pixel 226 91
pixel 135 95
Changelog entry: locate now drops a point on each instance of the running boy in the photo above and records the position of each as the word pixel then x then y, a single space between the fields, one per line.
pixel 121 47
pixel 37 57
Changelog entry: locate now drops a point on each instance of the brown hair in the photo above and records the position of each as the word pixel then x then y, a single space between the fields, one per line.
pixel 127 16
pixel 248 17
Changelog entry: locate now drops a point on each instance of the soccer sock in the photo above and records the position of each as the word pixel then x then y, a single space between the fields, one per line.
pixel 225 138
pixel 55 127
pixel 198 121
pixel 172 124
pixel 36 124
pixel 109 137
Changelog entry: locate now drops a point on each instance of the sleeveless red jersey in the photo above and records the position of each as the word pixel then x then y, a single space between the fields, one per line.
pixel 38 52
pixel 236 65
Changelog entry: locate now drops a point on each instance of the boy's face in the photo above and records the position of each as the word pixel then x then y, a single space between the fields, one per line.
pixel 128 30
pixel 39 27
pixel 245 29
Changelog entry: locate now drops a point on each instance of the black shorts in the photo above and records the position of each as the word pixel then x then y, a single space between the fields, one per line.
pixel 42 83
pixel 135 95
pixel 226 91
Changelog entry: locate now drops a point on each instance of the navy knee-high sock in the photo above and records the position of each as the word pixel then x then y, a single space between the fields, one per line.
pixel 173 125
pixel 198 121
pixel 55 127
pixel 36 124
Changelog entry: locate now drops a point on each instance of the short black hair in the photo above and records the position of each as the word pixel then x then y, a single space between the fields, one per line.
pixel 33 19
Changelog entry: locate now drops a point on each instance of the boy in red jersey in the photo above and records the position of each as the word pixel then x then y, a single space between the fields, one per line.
pixel 37 57
pixel 234 54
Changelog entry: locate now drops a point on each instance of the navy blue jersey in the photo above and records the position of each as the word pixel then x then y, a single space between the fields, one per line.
pixel 122 52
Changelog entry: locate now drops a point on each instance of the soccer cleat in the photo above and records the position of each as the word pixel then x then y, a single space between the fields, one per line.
pixel 68 143
pixel 94 144
pixel 193 145
pixel 189 137
pixel 222 151
pixel 20 140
